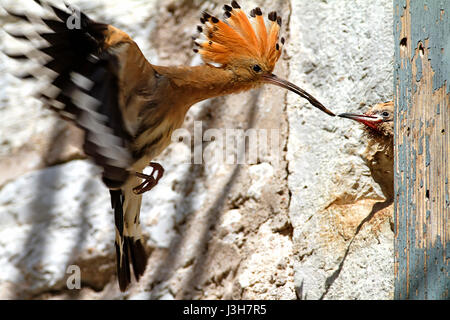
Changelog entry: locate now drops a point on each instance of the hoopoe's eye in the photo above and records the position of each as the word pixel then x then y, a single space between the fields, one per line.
pixel 385 114
pixel 257 68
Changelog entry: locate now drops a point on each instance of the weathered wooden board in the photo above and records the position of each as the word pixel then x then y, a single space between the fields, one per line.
pixel 422 142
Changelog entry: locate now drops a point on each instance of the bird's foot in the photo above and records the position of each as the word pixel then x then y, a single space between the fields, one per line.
pixel 149 180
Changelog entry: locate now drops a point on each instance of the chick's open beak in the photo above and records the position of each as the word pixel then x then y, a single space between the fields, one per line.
pixel 370 121
pixel 273 79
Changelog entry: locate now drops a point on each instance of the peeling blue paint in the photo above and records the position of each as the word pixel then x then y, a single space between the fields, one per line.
pixel 447 197
pixel 439 42
pixel 422 267
pixel 419 72
pixel 420 150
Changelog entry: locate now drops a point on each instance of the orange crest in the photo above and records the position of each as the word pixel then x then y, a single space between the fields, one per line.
pixel 237 37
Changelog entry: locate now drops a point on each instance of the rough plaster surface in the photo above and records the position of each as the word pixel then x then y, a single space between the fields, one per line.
pixel 281 227
pixel 342 54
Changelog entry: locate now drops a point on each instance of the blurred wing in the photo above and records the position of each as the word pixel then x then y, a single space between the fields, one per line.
pixel 87 62
pixel 96 71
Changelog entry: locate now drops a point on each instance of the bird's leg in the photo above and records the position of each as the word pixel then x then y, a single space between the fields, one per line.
pixel 149 180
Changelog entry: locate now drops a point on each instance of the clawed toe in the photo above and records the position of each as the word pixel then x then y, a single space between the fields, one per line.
pixel 149 180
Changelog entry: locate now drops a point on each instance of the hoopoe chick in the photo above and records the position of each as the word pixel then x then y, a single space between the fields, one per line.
pixel 378 122
pixel 128 108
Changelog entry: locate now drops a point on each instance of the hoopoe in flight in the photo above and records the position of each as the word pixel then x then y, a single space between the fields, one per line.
pixel 378 123
pixel 128 108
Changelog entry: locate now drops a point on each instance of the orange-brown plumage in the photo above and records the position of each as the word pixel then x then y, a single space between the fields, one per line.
pixel 128 108
pixel 261 30
pixel 273 52
pixel 237 38
pixel 240 21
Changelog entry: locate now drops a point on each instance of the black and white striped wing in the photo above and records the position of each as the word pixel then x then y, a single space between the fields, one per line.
pixel 83 86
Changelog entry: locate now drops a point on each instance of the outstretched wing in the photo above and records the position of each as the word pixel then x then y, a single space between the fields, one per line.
pixel 97 71
pixel 88 60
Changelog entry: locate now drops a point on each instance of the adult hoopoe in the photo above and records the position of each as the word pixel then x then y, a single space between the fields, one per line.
pixel 379 154
pixel 128 108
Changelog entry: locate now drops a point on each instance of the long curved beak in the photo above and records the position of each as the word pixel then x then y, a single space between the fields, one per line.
pixel 273 79
pixel 370 121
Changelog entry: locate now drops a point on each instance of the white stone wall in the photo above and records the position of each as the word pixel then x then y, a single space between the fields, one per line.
pixel 282 228
pixel 342 52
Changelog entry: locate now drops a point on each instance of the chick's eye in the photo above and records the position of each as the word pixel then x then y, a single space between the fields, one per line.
pixel 257 68
pixel 385 114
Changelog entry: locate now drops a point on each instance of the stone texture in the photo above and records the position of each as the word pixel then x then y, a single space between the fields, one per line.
pixel 342 53
pixel 53 218
pixel 296 222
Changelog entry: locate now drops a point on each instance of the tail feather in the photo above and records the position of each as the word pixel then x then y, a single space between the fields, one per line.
pixel 129 246
pixel 123 266
pixel 138 257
